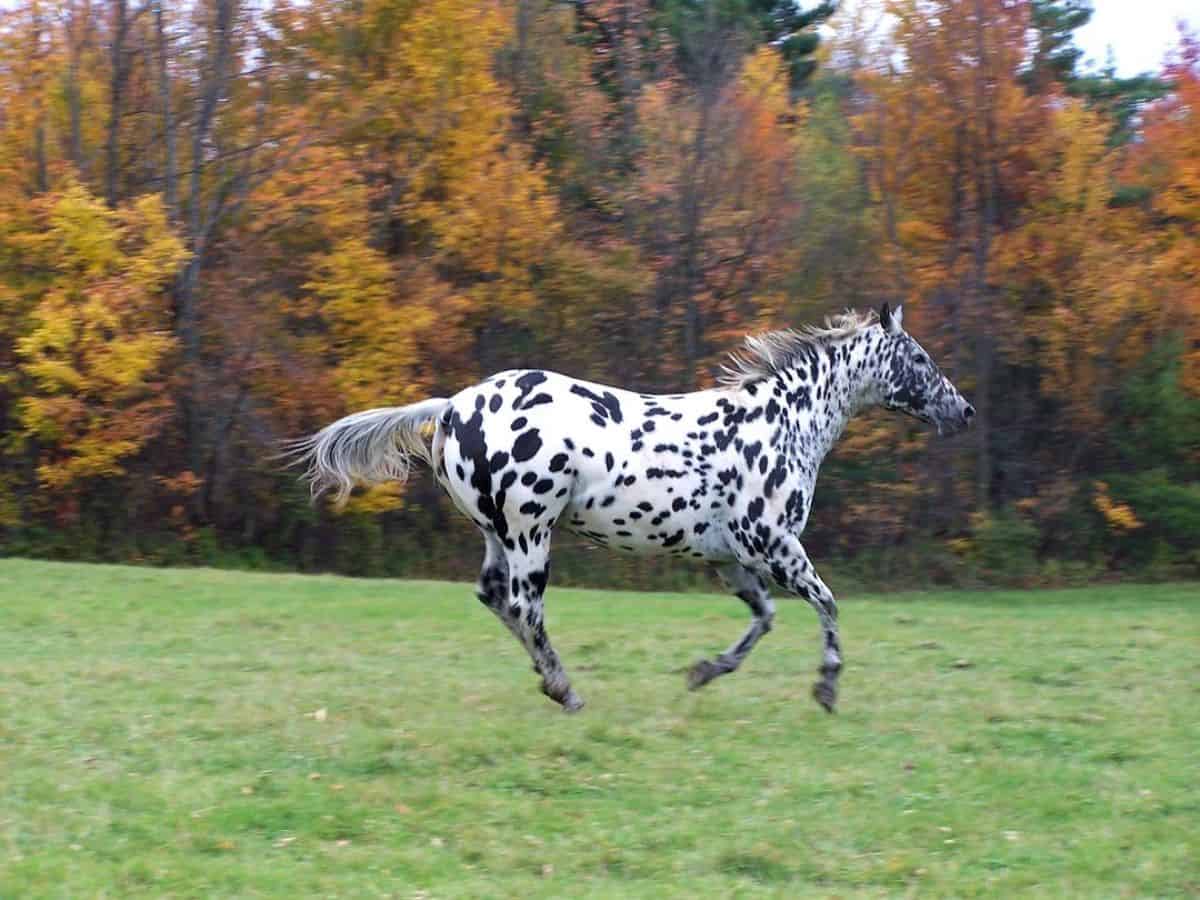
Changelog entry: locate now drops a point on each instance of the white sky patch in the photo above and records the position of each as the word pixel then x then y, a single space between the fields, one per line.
pixel 1140 32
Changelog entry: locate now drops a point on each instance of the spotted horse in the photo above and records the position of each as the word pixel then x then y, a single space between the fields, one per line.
pixel 722 476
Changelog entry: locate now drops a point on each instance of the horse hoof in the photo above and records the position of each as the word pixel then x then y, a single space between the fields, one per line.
pixel 824 693
pixel 701 674
pixel 561 693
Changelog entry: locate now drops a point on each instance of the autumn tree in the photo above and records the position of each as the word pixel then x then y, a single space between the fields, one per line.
pixel 223 224
pixel 95 357
pixel 945 139
pixel 1168 163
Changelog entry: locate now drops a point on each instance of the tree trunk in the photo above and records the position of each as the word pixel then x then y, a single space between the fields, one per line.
pixel 199 223
pixel 39 150
pixel 42 180
pixel 683 282
pixel 170 174
pixel 76 41
pixel 112 154
pixel 73 101
pixel 519 74
pixel 627 78
pixel 985 219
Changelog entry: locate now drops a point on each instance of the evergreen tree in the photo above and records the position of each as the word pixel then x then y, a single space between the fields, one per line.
pixel 1055 56
pixel 1056 61
pixel 705 30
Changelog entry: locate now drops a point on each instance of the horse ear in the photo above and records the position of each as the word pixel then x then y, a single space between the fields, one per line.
pixel 891 320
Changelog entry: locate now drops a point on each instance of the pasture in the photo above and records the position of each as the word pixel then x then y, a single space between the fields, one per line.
pixel 197 733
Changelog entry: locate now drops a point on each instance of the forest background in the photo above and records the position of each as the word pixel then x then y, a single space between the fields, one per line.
pixel 224 223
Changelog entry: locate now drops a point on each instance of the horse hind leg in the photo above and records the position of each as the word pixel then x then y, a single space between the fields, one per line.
pixel 752 590
pixel 512 585
pixel 492 587
pixel 528 574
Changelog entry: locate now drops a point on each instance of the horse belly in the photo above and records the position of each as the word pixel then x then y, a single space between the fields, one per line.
pixel 646 522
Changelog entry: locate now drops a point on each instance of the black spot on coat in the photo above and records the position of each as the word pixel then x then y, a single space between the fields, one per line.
pixel 526 446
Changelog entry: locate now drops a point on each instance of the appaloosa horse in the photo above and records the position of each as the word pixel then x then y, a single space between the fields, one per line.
pixel 724 476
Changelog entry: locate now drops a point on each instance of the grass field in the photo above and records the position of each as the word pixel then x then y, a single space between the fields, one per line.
pixel 174 733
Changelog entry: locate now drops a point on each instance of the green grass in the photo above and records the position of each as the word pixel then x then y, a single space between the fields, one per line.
pixel 160 736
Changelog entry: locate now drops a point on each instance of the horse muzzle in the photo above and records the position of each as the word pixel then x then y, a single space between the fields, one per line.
pixel 955 419
pixel 960 420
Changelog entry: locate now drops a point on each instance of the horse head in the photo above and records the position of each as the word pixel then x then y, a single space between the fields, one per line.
pixel 913 384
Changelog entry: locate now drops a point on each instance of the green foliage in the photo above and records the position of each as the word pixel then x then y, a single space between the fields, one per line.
pixel 360 548
pixel 1005 547
pixel 1120 99
pixel 837 227
pixel 1055 21
pixel 1159 472
pixel 1159 422
pixel 1168 510
pixel 699 26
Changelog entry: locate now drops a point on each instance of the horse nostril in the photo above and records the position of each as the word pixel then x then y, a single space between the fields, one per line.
pixel 969 412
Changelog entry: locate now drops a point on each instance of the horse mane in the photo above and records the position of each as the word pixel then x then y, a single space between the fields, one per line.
pixel 765 355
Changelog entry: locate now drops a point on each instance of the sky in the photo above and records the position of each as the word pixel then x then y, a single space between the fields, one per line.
pixel 1140 32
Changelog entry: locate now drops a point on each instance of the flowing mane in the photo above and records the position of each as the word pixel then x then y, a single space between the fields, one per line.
pixel 764 355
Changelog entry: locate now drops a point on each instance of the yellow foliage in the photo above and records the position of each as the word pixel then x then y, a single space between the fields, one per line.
pixel 373 331
pixel 376 499
pixel 497 222
pixel 1119 516
pixel 764 78
pixel 452 112
pixel 961 546
pixel 100 333
pixel 1075 267
pixel 373 327
pixel 469 194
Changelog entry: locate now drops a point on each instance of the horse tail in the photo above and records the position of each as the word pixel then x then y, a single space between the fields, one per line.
pixel 367 448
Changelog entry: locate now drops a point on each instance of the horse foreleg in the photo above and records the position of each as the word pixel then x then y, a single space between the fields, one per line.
pixel 790 566
pixel 752 590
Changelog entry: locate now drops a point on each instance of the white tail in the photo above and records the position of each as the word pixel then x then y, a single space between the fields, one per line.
pixel 369 447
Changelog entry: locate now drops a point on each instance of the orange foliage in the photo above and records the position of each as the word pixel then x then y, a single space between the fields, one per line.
pixel 1168 161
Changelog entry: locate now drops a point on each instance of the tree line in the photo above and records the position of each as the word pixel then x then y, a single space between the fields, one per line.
pixel 224 223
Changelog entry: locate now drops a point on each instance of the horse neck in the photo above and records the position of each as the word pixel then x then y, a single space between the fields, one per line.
pixel 849 378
